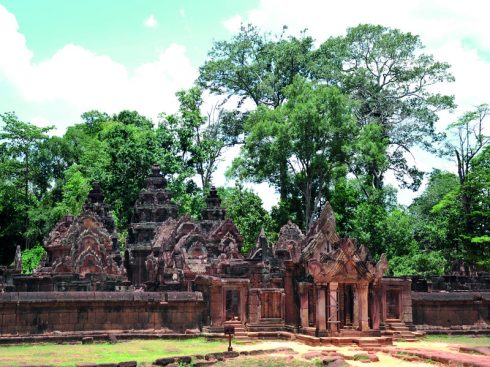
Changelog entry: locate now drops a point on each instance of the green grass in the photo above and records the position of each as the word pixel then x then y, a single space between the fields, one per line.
pixel 134 350
pixel 266 362
pixel 472 341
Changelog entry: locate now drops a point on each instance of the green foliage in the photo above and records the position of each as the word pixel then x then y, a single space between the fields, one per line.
pixel 130 152
pixel 196 142
pixel 388 76
pixel 440 184
pixel 256 66
pixel 244 208
pixel 419 263
pixel 47 211
pixel 18 143
pixel 477 188
pixel 31 258
pixel 300 143
pixel 74 192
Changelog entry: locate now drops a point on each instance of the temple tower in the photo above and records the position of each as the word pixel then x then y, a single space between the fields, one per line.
pixel 152 208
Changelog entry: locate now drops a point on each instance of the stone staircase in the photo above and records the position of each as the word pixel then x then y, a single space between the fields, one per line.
pixel 240 330
pixel 398 330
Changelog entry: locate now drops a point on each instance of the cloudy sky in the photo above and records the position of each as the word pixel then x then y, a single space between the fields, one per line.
pixel 60 58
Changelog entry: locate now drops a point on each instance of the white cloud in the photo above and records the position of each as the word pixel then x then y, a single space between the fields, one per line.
pixel 233 24
pixel 78 80
pixel 151 22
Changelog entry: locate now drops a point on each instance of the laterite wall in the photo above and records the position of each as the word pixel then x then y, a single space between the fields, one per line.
pixel 451 309
pixel 39 312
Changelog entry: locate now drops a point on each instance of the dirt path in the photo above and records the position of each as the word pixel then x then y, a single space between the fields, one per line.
pixel 418 354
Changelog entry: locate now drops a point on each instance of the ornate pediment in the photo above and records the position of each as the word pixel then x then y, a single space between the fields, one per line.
pixel 347 263
pixel 321 236
pixel 262 250
pixel 290 243
pixel 227 229
pixel 82 245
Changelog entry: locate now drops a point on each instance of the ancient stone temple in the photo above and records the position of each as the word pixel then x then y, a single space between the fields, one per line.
pixel 152 208
pixel 191 274
pixel 82 252
pixel 184 248
pixel 187 273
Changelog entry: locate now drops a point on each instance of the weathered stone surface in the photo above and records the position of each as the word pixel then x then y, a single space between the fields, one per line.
pixel 231 354
pixel 183 359
pixel 127 364
pixel 334 362
pixel 83 253
pixel 164 361
pixel 312 355
pixel 214 356
pixel 152 208
pixel 200 363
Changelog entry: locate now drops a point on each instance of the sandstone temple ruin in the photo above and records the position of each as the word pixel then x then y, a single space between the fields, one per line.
pixel 182 275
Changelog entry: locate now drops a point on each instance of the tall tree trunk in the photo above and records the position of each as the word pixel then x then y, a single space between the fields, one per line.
pixel 283 180
pixel 26 198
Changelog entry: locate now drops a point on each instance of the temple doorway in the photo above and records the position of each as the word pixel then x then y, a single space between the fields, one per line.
pixel 392 304
pixel 347 314
pixel 232 303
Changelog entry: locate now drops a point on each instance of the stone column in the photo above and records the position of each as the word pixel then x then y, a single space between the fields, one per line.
pixel 303 292
pixel 291 311
pixel 216 299
pixel 253 306
pixel 333 316
pixel 376 306
pixel 363 306
pixel 355 306
pixel 283 305
pixel 243 303
pixel 321 319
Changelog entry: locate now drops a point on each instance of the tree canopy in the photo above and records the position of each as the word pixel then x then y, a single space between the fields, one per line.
pixel 316 120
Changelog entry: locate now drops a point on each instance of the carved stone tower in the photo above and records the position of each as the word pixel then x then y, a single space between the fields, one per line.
pixel 95 204
pixel 152 208
pixel 213 212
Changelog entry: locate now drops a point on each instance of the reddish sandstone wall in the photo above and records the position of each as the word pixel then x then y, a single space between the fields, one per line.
pixel 39 312
pixel 451 309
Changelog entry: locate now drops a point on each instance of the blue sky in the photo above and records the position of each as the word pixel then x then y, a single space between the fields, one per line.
pixel 59 59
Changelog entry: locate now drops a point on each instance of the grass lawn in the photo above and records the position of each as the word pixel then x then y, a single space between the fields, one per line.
pixel 471 341
pixel 134 350
pixel 147 351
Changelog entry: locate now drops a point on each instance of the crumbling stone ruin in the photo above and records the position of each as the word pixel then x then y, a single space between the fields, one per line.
pixel 178 274
pixel 152 208
pixel 82 252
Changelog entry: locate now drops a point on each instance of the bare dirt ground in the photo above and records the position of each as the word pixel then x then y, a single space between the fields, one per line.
pixel 303 349
pixel 426 353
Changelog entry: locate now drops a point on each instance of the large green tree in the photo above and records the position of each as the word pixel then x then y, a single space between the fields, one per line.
pixel 19 140
pixel 307 137
pixel 385 71
pixel 477 189
pixel 256 66
pixel 467 139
